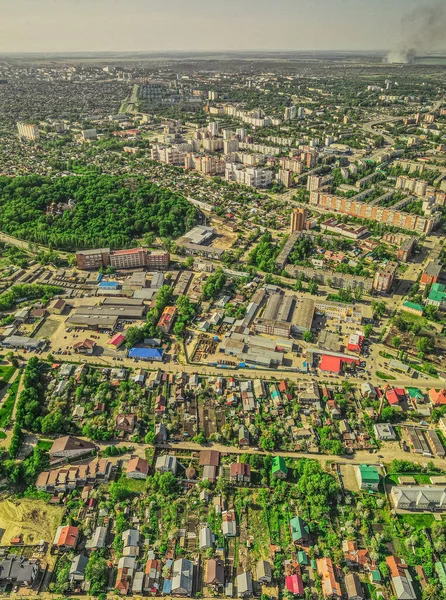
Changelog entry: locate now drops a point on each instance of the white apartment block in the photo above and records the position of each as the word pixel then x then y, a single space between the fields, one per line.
pixel 251 177
pixel 28 131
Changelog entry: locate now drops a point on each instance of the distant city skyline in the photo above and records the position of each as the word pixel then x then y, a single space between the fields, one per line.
pixel 202 26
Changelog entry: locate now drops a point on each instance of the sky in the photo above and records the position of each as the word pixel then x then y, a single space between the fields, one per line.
pixel 201 25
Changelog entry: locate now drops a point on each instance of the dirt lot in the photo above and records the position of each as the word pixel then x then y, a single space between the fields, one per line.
pixel 34 519
pixel 349 478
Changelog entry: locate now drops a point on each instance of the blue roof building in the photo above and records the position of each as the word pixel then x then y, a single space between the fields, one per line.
pixel 147 353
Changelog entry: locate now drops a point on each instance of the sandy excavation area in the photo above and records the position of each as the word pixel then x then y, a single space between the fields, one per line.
pixel 33 519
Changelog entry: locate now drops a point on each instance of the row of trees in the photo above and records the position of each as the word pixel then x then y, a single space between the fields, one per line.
pixel 27 291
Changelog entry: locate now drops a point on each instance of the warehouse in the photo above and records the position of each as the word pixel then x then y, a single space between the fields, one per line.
pixel 19 341
pixel 92 321
pixel 121 311
pixel 122 302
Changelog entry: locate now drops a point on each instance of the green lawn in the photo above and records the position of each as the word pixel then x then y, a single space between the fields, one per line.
pixel 133 485
pixel 418 521
pixel 6 372
pixel 7 407
pixel 45 444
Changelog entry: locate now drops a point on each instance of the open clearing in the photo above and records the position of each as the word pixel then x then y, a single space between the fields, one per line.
pixel 34 519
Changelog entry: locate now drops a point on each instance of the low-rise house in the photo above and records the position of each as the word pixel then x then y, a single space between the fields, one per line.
pixel 209 457
pixel 355 557
pixel 62 480
pixel 86 346
pixel 243 436
pixel 401 579
pixel 354 587
pixel 326 571
pixel 137 468
pixel 66 537
pixel 299 530
pixel 279 468
pixel 384 432
pixel 438 398
pixel 240 473
pixel 19 571
pixel 124 574
pixel 152 576
pixel 244 585
pixel 182 577
pixel 264 572
pixel 209 473
pixel 205 538
pixel 229 524
pixel 70 447
pixel 97 540
pixel 368 390
pixel 125 423
pixel 294 584
pixel 166 463
pixel 130 539
pixel 215 574
pixel 418 497
pixel 160 433
pixel 77 568
pixel 367 477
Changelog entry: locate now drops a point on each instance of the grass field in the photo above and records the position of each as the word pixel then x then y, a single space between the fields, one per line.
pixel 418 521
pixel 6 372
pixel 7 407
pixel 45 444
pixel 33 519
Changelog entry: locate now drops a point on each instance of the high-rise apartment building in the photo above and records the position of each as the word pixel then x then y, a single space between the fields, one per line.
pixel 285 177
pixel 384 278
pixel 298 220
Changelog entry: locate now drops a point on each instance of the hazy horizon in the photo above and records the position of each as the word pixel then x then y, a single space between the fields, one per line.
pixel 79 26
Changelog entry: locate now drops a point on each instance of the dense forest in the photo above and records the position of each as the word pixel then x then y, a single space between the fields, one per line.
pixel 107 210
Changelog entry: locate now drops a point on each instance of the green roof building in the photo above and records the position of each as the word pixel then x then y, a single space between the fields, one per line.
pixel 302 558
pixel 413 308
pixel 279 468
pixel 437 295
pixel 375 576
pixel 368 478
pixel 415 393
pixel 299 529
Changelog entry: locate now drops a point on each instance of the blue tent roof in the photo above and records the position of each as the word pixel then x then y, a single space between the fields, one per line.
pixel 114 285
pixel 146 353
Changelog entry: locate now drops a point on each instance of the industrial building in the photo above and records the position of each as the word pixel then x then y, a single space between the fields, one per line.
pixel 284 315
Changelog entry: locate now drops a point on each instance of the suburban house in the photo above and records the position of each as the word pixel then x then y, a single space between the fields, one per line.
pixel 152 576
pixel 367 477
pixel 264 572
pixel 215 573
pixel 401 579
pixel 125 423
pixel 77 568
pixel 354 587
pixel 183 576
pixel 137 468
pixel 330 585
pixel 20 571
pixel 166 463
pixel 299 530
pixel 240 473
pixel 244 585
pixel 279 469
pixel 66 537
pixel 205 538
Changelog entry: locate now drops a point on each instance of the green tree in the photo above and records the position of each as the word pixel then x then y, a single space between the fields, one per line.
pixel 308 336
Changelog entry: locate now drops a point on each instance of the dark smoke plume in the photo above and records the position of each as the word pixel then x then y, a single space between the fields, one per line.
pixel 421 31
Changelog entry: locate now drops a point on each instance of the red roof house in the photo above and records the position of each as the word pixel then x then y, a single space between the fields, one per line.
pixel 437 398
